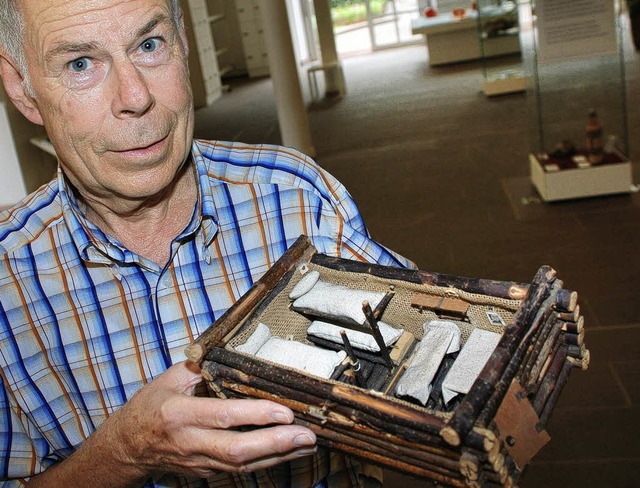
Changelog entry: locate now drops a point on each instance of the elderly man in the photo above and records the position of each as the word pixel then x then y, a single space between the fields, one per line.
pixel 142 240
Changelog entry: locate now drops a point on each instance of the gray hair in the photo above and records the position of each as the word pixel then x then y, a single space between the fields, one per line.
pixel 12 29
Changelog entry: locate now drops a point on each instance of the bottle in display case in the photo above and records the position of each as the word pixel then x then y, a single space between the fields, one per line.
pixel 595 141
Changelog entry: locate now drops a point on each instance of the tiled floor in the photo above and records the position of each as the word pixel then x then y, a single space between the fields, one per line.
pixel 440 174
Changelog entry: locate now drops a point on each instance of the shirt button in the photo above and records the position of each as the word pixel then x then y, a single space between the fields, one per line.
pixel 166 281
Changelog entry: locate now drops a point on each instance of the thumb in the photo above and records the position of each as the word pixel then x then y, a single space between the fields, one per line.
pixel 181 378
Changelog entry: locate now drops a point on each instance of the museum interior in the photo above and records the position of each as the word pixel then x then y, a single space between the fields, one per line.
pixel 459 163
pixel 441 174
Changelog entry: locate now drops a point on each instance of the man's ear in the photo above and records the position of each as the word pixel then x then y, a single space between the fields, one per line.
pixel 14 85
pixel 183 34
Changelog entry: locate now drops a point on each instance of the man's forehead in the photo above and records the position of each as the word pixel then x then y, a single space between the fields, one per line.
pixel 71 7
pixel 47 17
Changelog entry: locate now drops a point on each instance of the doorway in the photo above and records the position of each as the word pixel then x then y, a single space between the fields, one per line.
pixel 370 25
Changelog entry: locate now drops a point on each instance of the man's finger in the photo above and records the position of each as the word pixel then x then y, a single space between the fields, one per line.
pixel 216 413
pixel 259 447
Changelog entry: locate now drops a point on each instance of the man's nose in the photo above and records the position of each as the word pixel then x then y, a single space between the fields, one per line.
pixel 132 97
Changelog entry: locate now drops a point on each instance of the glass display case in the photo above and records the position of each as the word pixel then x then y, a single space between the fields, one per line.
pixel 577 100
pixel 499 36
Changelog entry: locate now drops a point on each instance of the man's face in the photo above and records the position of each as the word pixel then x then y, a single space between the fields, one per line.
pixel 112 87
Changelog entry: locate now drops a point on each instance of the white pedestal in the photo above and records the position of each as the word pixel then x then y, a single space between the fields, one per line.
pixel 565 184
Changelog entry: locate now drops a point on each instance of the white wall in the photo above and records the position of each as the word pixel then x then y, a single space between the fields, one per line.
pixel 12 187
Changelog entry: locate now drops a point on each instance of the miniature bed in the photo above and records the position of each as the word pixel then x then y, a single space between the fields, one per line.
pixel 443 377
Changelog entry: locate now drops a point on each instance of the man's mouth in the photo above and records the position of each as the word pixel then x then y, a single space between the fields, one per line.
pixel 144 149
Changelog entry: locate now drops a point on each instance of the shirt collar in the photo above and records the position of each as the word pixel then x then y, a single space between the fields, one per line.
pixel 96 246
pixel 206 200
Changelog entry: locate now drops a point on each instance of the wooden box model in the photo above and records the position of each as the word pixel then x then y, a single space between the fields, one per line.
pixel 483 435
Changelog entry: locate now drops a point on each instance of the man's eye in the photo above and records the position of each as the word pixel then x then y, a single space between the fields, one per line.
pixel 150 45
pixel 80 64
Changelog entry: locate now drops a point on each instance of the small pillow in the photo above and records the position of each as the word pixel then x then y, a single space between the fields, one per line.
pixel 441 337
pixel 310 359
pixel 327 299
pixel 256 340
pixel 305 284
pixel 446 325
pixel 469 363
pixel 359 340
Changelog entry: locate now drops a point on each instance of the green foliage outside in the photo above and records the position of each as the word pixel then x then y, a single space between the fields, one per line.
pixel 346 12
pixel 342 3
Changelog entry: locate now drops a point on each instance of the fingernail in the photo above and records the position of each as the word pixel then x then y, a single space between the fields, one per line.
pixel 304 440
pixel 281 417
pixel 306 452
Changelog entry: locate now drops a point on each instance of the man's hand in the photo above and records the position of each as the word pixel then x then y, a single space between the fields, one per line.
pixel 165 429
pixel 180 433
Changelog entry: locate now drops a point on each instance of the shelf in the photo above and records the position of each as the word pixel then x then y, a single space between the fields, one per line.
pixel 43 144
pixel 513 32
pixel 225 70
pixel 215 18
pixel 204 19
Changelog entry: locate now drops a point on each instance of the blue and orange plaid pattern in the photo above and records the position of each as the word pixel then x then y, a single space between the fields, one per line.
pixel 85 323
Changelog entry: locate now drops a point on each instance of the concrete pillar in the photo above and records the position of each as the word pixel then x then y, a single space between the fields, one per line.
pixel 334 81
pixel 292 114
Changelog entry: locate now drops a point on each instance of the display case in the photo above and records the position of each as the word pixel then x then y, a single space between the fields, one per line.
pixel 576 68
pixel 499 33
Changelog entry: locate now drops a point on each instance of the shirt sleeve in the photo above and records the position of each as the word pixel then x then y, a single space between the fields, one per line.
pixel 352 239
pixel 21 448
pixel 336 227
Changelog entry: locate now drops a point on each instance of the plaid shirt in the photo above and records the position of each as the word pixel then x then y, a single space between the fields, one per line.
pixel 85 323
